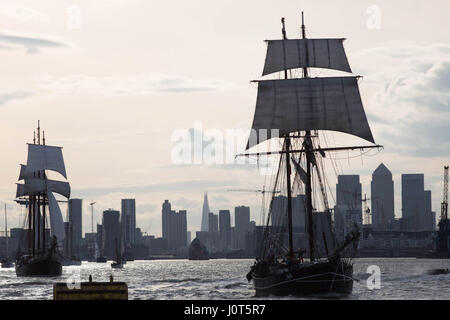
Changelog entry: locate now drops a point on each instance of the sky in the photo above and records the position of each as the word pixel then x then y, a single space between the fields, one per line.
pixel 115 81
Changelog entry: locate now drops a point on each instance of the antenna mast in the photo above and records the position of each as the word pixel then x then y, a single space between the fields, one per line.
pixel 92 216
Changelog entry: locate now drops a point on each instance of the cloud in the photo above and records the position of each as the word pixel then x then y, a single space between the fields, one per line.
pixel 220 199
pixel 30 43
pixel 177 186
pixel 146 207
pixel 184 204
pixel 117 3
pixel 133 85
pixel 17 95
pixel 410 110
pixel 23 13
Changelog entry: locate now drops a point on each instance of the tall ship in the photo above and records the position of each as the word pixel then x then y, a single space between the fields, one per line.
pixel 7 262
pixel 41 255
pixel 299 111
pixel 118 263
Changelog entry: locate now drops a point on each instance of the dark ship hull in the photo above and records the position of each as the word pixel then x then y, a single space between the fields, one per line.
pixel 7 264
pixel 197 251
pixel 304 279
pixel 101 259
pixel 44 265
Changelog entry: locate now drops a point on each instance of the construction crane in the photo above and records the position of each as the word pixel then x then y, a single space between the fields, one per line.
pixel 251 190
pixel 444 204
pixel 263 191
pixel 92 216
pixel 443 236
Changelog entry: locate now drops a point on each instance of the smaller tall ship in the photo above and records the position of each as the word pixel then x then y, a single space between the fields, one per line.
pixel 41 255
pixel 118 263
pixel 7 262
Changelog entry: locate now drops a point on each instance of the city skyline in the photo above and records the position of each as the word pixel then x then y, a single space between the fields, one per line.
pixel 117 137
pixel 98 215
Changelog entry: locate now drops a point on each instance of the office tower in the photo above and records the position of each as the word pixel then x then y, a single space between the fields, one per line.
pixel 433 221
pixel 213 222
pixel 180 225
pixel 382 198
pixel 100 239
pixel 224 229
pixel 112 231
pixel 205 214
pixel 188 239
pixel 67 244
pixel 416 203
pixel 128 221
pixel 75 221
pixel 348 209
pixel 279 212
pixel 174 226
pixel 166 209
pixel 242 225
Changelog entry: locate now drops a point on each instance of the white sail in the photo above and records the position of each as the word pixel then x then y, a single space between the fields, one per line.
pixel 56 220
pixel 291 105
pixel 35 185
pixel 42 157
pixel 292 53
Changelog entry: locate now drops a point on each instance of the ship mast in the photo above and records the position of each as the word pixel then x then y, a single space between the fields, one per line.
pixel 309 158
pixel 287 145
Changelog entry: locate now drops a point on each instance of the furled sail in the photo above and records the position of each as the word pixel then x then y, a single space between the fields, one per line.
pixel 56 220
pixel 290 105
pixel 35 185
pixel 304 53
pixel 43 157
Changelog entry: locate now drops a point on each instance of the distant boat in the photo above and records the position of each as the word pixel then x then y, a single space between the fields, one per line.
pixel 118 264
pixel 198 251
pixel 7 262
pixel 439 271
pixel 101 259
pixel 37 193
pixel 71 262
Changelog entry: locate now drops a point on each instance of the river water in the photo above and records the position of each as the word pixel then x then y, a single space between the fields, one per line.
pixel 400 278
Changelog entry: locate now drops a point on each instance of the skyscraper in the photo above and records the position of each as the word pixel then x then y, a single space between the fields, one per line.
pixel 128 221
pixel 174 226
pixel 205 214
pixel 166 209
pixel 242 225
pixel 348 209
pixel 224 229
pixel 416 203
pixel 213 222
pixel 279 212
pixel 382 198
pixel 75 222
pixel 111 229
